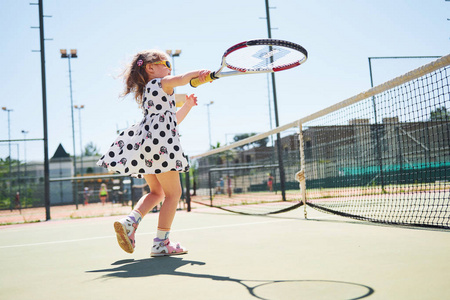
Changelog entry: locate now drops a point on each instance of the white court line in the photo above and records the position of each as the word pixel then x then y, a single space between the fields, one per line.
pixel 139 234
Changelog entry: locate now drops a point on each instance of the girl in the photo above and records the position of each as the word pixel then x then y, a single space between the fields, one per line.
pixel 270 182
pixel 103 193
pixel 151 149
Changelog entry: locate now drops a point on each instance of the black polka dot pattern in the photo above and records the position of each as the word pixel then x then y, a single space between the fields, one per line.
pixel 151 146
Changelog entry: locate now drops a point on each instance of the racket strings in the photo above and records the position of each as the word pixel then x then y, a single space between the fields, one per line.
pixel 263 58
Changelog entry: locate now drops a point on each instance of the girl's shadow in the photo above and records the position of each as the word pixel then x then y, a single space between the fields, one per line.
pixel 131 268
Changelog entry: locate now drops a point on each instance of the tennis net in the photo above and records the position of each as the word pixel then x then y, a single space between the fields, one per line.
pixel 382 155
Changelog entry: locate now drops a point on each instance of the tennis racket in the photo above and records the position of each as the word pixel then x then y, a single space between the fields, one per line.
pixel 257 56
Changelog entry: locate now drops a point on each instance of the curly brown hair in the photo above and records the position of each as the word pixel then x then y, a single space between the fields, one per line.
pixel 135 77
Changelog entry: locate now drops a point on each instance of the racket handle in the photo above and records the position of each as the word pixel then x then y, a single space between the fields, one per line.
pixel 195 82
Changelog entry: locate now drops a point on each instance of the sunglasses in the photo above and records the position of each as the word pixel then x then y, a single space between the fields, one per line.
pixel 163 62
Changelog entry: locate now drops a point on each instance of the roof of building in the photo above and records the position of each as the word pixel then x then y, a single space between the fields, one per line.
pixel 60 153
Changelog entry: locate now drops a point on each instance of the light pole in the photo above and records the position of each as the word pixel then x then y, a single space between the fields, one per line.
pixel 72 54
pixel 172 54
pixel 79 108
pixel 209 123
pixel 275 108
pixel 9 159
pixel 24 132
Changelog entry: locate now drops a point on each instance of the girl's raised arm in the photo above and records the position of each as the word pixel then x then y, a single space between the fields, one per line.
pixel 170 82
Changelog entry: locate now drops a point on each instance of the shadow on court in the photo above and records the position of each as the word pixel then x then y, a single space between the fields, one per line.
pixel 259 289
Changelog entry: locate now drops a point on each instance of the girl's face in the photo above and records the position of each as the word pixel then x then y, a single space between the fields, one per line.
pixel 159 69
pixel 163 69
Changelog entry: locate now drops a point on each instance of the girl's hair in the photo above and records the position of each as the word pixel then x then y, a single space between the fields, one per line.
pixel 135 77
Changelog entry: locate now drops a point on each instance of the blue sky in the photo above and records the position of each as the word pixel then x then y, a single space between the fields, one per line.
pixel 339 37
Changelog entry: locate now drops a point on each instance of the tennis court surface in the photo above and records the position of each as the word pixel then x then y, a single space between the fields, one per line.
pixel 231 257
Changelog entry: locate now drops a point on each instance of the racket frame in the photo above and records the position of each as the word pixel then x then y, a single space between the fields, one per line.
pixel 242 71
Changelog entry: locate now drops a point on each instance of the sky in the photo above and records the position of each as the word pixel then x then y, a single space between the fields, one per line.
pixel 338 35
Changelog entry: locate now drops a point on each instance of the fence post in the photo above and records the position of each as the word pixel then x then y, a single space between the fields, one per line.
pixel 188 191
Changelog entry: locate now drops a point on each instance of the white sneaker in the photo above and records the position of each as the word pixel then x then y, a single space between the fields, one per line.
pixel 125 229
pixel 166 248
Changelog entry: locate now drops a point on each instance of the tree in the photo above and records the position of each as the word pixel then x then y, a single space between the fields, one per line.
pixel 217 146
pixel 440 114
pixel 243 136
pixel 91 150
pixel 222 157
pixel 261 143
pixel 258 143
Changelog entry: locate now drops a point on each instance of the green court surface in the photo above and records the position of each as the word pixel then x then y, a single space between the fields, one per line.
pixel 230 257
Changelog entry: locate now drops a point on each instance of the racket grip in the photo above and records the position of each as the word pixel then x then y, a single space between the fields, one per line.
pixel 195 82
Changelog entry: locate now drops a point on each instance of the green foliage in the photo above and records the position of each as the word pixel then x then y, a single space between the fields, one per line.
pixel 29 191
pixel 258 143
pixel 440 114
pixel 216 146
pixel 91 149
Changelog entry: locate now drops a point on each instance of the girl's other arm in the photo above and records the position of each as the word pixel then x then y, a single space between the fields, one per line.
pixel 191 101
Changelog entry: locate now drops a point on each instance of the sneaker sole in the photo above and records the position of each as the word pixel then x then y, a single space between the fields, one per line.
pixel 167 254
pixel 122 238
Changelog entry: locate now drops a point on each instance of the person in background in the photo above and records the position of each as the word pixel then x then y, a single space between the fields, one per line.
pixel 86 195
pixel 17 202
pixel 270 182
pixel 103 193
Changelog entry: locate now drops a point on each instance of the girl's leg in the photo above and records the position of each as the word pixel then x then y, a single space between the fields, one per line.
pixel 162 246
pixel 170 184
pixel 125 228
pixel 149 201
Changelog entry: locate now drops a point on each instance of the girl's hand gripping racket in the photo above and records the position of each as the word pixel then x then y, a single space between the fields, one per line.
pixel 257 56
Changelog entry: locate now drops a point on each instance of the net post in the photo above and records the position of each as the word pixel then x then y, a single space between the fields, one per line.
pixel 301 176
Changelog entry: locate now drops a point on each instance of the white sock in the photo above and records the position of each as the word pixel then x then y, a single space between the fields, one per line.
pixel 162 234
pixel 136 215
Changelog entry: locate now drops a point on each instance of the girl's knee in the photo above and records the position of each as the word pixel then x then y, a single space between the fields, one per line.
pixel 159 194
pixel 174 197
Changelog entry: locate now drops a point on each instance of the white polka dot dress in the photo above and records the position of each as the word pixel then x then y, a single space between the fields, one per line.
pixel 153 145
